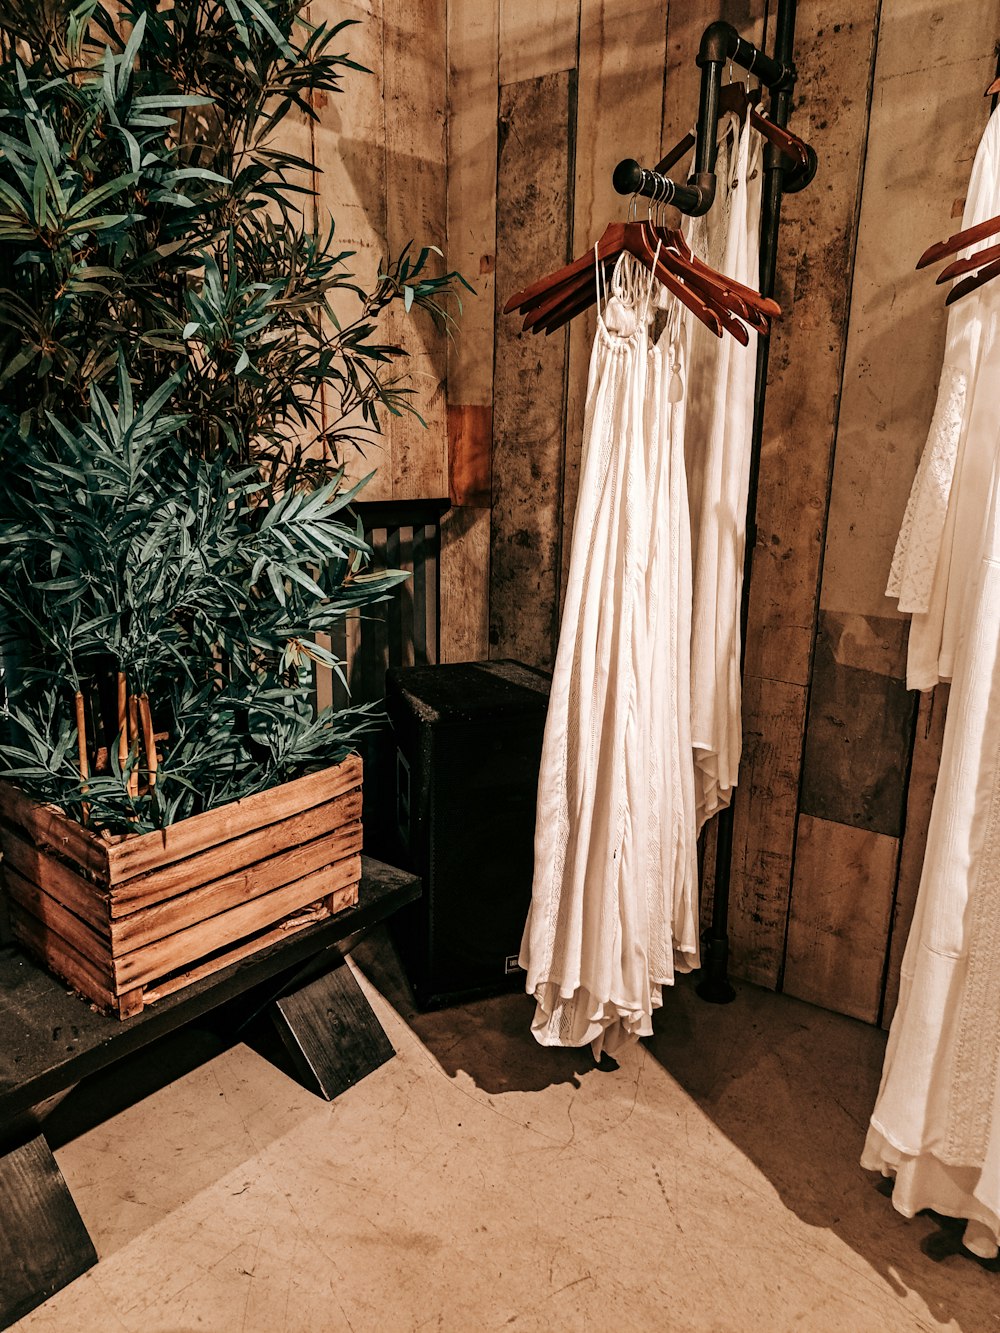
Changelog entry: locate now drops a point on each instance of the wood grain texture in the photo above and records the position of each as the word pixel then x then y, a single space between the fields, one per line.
pixel 926 109
pixel 465 580
pixel 86 899
pixel 52 830
pixel 184 909
pixel 537 39
pixel 470 454
pixel 764 827
pixel 57 954
pixel 415 87
pixel 331 1033
pixel 473 37
pixel 839 920
pixel 44 1244
pixel 619 102
pixel 529 419
pixel 348 150
pixel 154 960
pixel 926 760
pixel 816 250
pixel 134 855
pixel 858 735
pixel 52 914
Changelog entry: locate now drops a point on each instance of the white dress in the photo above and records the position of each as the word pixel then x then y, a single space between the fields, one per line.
pixel 613 798
pixel 937 552
pixel 936 1123
pixel 718 439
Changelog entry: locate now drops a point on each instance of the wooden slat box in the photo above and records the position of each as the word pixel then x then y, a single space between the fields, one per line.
pixel 128 919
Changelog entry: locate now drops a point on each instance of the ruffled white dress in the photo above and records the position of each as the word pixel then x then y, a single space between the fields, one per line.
pixel 718 439
pixel 937 553
pixel 936 1123
pixel 613 851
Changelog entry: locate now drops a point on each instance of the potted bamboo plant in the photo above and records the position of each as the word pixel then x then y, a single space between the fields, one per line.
pixel 185 360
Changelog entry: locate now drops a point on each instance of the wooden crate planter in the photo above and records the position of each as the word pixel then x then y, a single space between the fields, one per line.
pixel 128 919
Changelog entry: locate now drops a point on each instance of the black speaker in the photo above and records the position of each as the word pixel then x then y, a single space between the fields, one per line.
pixel 468 745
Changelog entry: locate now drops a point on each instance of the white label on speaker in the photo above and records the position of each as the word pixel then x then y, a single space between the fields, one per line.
pixel 512 965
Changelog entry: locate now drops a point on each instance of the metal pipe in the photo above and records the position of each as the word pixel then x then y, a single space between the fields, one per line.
pixel 720 43
pixel 715 985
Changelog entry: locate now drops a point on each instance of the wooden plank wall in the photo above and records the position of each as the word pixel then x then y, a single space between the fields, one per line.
pixel 380 151
pixel 833 800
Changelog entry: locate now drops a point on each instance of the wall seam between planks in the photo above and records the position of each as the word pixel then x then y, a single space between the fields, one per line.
pixel 842 370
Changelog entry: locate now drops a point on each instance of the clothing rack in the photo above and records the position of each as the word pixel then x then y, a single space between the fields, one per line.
pixel 720 44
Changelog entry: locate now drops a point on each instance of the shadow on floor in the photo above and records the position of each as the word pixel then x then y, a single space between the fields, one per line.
pixel 489 1039
pixel 789 1085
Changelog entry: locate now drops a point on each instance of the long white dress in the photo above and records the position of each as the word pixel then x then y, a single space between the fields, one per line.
pixel 937 552
pixel 718 439
pixel 936 1123
pixel 613 795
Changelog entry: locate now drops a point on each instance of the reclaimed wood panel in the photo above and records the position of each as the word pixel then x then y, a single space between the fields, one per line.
pixel 470 454
pixel 816 249
pixel 766 806
pixel 859 730
pixel 924 767
pixel 619 104
pixel 465 573
pixel 415 102
pixel 927 116
pixel 840 913
pixel 533 191
pixel 537 39
pixel 88 900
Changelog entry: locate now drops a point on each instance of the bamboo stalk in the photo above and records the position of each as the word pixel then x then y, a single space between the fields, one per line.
pixel 149 736
pixel 81 752
pixel 122 721
pixel 133 743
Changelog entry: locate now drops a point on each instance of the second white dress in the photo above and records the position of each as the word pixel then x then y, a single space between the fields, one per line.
pixel 614 841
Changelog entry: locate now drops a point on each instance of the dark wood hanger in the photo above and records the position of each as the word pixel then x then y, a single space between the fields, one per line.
pixel 982 231
pixel 958 267
pixel 619 237
pixel 973 283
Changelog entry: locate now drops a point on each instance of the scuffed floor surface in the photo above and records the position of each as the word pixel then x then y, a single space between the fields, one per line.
pixel 479 1182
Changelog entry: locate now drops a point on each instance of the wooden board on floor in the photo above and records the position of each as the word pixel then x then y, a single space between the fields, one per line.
pixel 529 418
pixel 44 1244
pixel 331 1033
pixel 839 920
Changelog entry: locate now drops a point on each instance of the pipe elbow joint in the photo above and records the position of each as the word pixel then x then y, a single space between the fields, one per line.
pixel 718 42
pixel 704 183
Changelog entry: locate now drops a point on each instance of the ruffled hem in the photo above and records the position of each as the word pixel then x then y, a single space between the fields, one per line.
pixel 581 1019
pixel 924 1181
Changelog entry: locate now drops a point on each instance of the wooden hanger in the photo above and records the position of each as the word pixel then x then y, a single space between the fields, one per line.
pixel 993 89
pixel 973 283
pixel 958 267
pixel 619 237
pixel 982 231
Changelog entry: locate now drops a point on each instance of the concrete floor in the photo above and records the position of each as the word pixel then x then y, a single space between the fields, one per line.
pixel 479 1182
